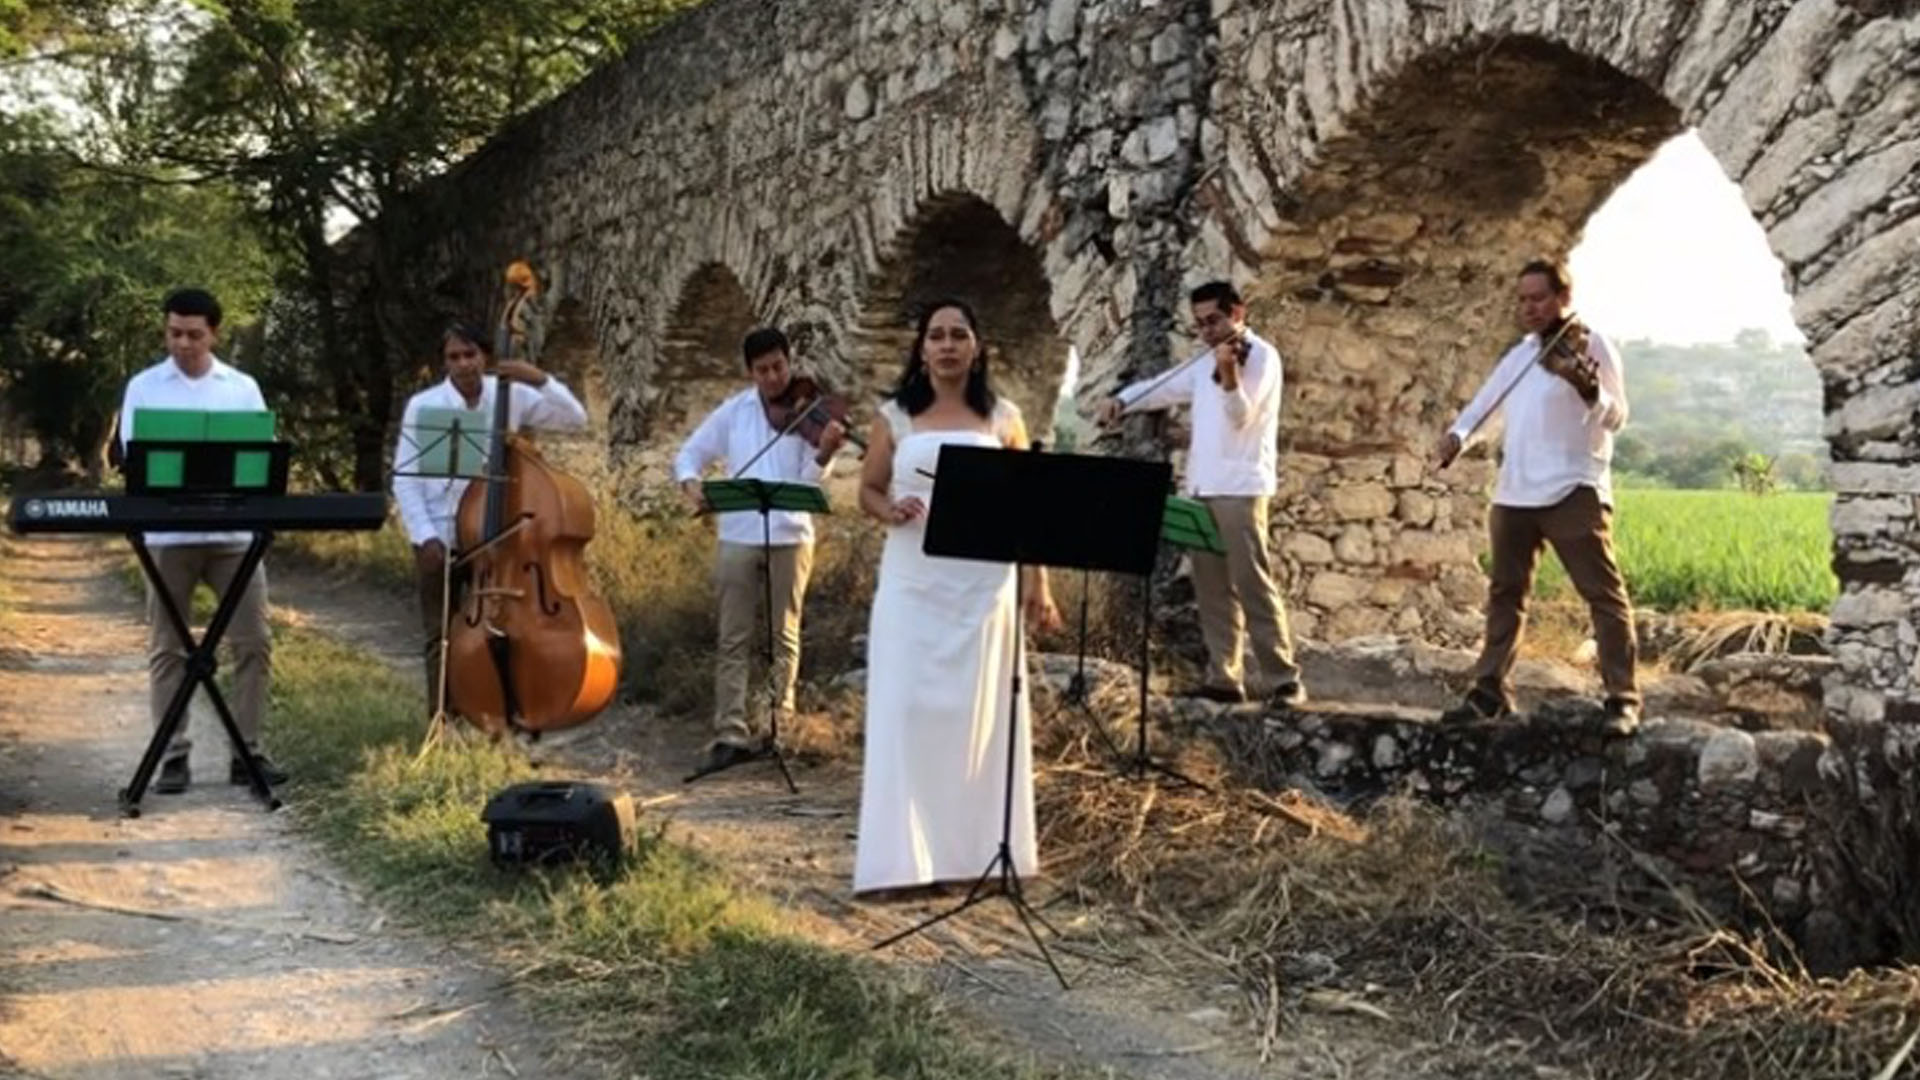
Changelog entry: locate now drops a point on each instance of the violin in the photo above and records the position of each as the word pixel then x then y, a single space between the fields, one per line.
pixel 534 648
pixel 1568 351
pixel 805 408
pixel 1242 348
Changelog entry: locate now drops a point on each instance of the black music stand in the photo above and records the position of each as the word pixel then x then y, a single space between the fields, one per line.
pixel 208 469
pixel 456 451
pixel 763 497
pixel 1185 523
pixel 1030 509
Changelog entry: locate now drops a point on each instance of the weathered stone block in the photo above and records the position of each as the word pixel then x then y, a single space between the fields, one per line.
pixel 1333 590
pixel 1359 502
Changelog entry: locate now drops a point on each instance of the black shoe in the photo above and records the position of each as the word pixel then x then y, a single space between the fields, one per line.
pixel 1231 695
pixel 726 755
pixel 1288 696
pixel 175 775
pixel 1620 717
pixel 1478 706
pixel 237 771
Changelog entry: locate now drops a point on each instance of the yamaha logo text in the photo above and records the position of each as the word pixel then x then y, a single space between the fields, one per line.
pixel 70 508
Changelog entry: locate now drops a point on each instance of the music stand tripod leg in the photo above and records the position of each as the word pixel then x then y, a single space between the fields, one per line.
pixel 437 724
pixel 1142 761
pixel 1077 690
pixel 1002 860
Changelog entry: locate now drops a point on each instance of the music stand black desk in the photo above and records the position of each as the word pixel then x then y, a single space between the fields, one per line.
pixel 764 497
pixel 1033 509
pixel 135 515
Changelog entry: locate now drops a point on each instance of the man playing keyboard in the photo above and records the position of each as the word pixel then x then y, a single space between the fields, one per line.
pixel 192 377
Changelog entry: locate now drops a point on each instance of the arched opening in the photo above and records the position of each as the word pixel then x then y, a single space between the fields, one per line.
pixel 570 351
pixel 698 367
pixel 960 246
pixel 1720 473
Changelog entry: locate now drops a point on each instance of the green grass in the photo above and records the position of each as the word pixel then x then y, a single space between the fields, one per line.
pixel 664 967
pixel 1718 551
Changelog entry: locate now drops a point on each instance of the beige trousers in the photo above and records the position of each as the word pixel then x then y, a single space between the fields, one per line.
pixel 1240 603
pixel 1580 529
pixel 743 628
pixel 248 640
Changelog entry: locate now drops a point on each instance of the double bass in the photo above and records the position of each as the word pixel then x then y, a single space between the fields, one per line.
pixel 533 648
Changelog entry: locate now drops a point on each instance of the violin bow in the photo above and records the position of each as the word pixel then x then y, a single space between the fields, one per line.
pixel 777 436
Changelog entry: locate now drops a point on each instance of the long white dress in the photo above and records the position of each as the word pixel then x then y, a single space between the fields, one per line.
pixel 940 660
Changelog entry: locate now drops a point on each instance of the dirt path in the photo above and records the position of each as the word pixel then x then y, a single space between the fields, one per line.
pixel 265 966
pixel 1124 1017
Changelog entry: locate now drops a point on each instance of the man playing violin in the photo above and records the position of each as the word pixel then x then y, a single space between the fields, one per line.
pixel 1232 466
pixel 429 504
pixel 1555 487
pixel 740 435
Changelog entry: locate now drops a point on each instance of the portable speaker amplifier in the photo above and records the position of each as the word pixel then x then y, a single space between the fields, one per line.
pixel 550 821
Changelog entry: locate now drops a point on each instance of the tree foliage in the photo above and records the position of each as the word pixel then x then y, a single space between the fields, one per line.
pixel 324 109
pixel 229 143
pixel 89 257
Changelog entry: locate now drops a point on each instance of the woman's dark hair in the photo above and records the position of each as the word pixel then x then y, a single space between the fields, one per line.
pixel 914 391
pixel 468 333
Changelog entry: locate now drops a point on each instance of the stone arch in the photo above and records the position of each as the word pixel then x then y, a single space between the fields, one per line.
pixel 959 245
pixel 1389 174
pixel 1386 283
pixel 696 365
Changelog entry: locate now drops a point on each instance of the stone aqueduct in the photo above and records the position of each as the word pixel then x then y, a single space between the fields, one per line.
pixel 1371 171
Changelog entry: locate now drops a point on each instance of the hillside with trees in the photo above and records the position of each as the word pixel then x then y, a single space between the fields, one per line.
pixel 1700 410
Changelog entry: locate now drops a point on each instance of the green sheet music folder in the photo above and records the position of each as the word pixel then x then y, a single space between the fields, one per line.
pixel 1188 523
pixel 449 442
pixel 727 496
pixel 167 468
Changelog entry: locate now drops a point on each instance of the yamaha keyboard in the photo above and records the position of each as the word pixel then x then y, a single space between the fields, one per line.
pixel 83 512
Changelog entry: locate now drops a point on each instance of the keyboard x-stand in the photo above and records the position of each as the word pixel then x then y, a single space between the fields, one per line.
pixel 134 516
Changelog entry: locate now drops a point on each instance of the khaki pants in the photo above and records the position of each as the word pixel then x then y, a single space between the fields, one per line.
pixel 248 641
pixel 737 581
pixel 432 630
pixel 1240 601
pixel 1580 530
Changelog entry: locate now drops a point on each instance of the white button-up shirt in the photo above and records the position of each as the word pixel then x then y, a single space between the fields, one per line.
pixel 728 437
pixel 224 388
pixel 1554 441
pixel 429 504
pixel 1234 448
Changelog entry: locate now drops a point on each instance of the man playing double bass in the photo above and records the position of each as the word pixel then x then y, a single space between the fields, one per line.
pixel 428 504
pixel 740 436
pixel 1556 486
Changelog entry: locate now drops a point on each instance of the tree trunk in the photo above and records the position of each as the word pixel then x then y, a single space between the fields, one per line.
pixel 343 367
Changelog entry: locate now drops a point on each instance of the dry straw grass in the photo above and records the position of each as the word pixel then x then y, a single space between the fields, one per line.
pixel 1395 915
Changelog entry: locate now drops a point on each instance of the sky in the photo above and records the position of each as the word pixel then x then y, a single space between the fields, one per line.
pixel 1675 255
